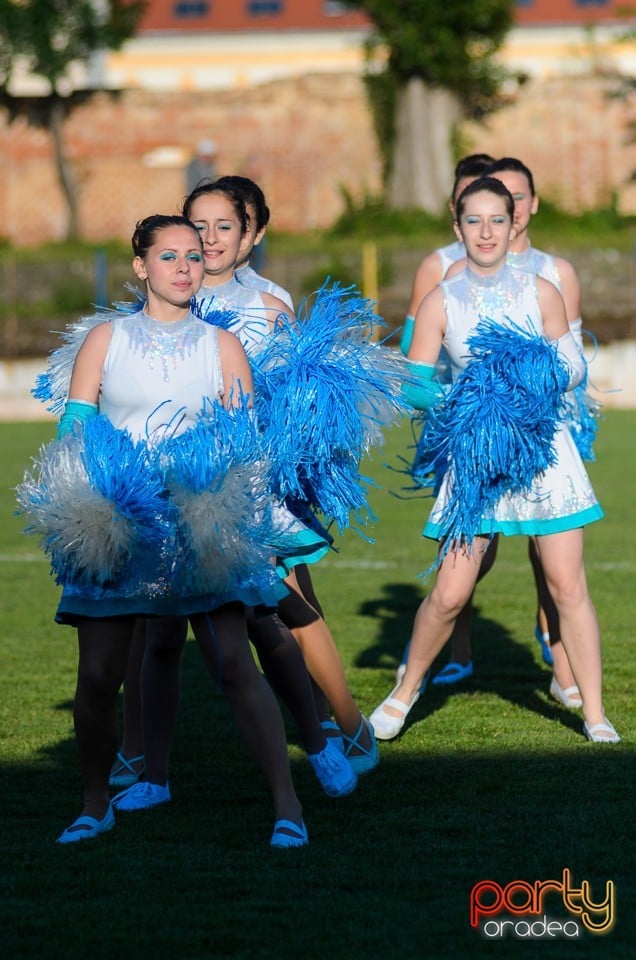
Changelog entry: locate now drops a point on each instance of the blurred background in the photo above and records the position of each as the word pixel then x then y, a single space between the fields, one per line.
pixel 350 115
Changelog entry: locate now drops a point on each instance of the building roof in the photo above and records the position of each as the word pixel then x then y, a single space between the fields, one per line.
pixel 248 15
pixel 240 15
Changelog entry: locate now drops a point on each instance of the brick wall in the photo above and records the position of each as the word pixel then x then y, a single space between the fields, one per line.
pixel 574 134
pixel 303 139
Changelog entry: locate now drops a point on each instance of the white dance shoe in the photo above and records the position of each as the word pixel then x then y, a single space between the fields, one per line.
pixel 385 726
pixel 601 732
pixel 569 697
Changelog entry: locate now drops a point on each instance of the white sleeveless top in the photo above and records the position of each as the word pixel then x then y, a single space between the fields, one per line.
pixel 508 297
pixel 253 318
pixel 158 377
pixel 450 254
pixel 248 277
pixel 538 262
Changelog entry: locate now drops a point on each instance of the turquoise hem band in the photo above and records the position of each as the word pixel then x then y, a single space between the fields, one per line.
pixel 309 548
pixel 527 528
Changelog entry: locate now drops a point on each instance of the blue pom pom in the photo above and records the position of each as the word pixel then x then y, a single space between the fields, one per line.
pixel 582 416
pixel 51 387
pixel 218 480
pixel 205 309
pixel 95 502
pixel 495 430
pixel 325 390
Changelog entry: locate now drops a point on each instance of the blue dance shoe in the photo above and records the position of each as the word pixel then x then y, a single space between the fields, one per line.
pixel 453 673
pixel 296 836
pixel 87 828
pixel 543 639
pixel 364 759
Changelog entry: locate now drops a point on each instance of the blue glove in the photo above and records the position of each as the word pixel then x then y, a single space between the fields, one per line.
pixel 421 390
pixel 75 411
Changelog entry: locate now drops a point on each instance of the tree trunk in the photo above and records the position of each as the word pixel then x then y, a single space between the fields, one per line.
pixel 422 169
pixel 65 174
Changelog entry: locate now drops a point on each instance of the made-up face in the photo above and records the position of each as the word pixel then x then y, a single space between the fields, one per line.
pixel 485 227
pixel 526 205
pixel 172 268
pixel 220 229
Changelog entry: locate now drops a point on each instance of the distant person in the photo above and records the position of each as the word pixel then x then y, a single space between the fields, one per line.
pixel 202 166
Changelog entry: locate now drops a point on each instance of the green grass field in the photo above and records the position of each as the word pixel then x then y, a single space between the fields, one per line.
pixel 490 781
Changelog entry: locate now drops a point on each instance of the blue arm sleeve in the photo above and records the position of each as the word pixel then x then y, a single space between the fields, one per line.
pixel 75 411
pixel 407 334
pixel 420 390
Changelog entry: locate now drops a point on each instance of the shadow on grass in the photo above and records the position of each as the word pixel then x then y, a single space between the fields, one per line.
pixel 389 869
pixel 503 666
pixel 388 872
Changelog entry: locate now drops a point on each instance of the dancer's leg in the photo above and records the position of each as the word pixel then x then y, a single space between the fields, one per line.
pixel 548 620
pixel 161 689
pixel 436 615
pixel 103 656
pixel 460 640
pixel 306 590
pixel 132 742
pixel 222 638
pixel 284 666
pixel 561 556
pixel 322 658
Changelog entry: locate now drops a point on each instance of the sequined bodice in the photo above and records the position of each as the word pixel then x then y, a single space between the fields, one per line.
pixel 252 324
pixel 537 262
pixel 157 377
pixel 509 296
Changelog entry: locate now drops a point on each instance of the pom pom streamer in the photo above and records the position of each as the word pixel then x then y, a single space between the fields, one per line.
pixel 324 392
pixel 52 386
pixel 495 430
pixel 582 413
pixel 218 480
pixel 205 309
pixel 93 500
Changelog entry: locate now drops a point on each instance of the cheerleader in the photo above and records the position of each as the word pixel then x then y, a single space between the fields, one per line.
pixel 158 378
pixel 516 176
pixel 430 272
pixel 229 215
pixel 509 468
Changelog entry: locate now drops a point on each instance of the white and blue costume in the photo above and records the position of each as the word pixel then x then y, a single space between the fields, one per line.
pixel 248 277
pixel 559 497
pixel 582 409
pixel 159 398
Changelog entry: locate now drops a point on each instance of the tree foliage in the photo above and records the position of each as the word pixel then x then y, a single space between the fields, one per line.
pixel 440 66
pixel 444 43
pixel 45 38
pixel 52 34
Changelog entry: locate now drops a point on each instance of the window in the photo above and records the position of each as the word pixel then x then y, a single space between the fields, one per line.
pixel 591 3
pixel 331 8
pixel 264 7
pixel 525 3
pixel 191 8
